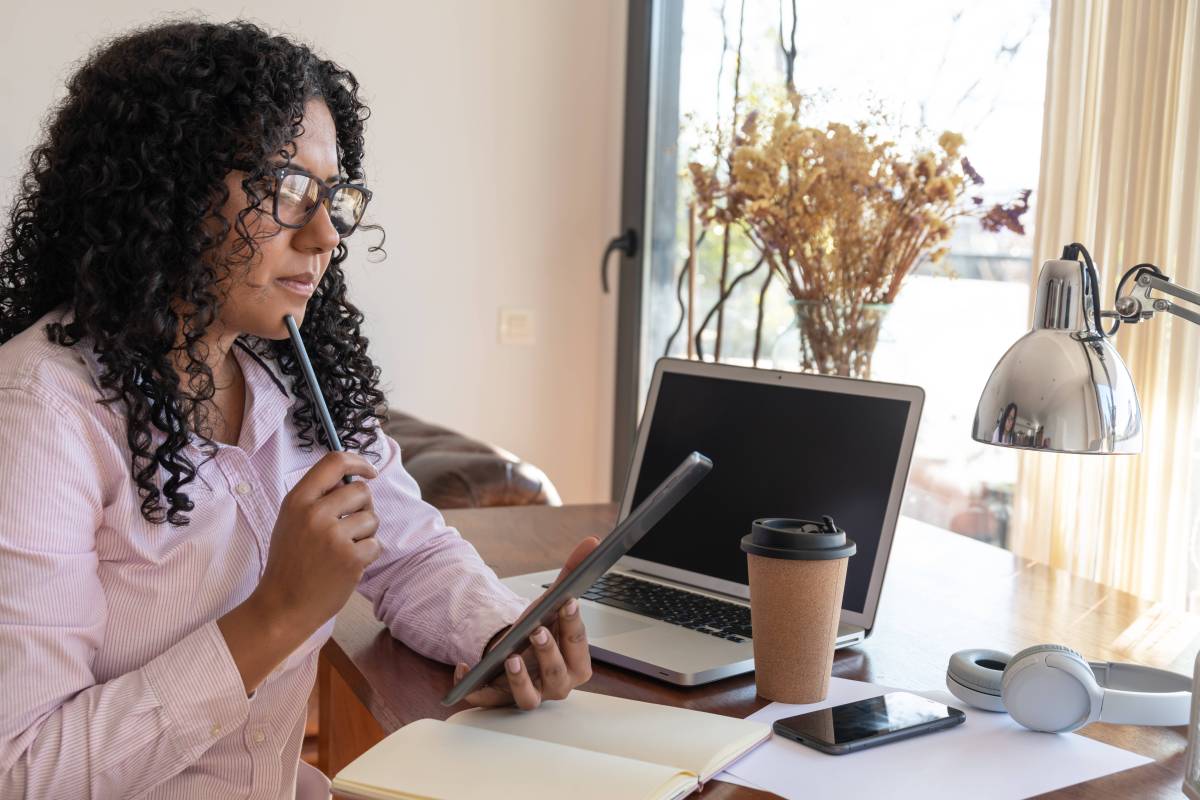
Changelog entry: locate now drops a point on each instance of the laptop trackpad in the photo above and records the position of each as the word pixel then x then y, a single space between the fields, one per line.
pixel 600 623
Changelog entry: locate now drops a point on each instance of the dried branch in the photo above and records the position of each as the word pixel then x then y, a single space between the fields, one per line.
pixel 789 54
pixel 762 294
pixel 679 297
pixel 719 306
pixel 733 144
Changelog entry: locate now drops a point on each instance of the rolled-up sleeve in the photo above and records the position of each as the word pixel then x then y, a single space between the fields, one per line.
pixel 429 585
pixel 63 734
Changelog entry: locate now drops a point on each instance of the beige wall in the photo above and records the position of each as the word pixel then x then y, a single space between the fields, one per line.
pixel 494 152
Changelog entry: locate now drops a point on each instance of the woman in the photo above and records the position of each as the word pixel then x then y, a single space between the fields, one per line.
pixel 1005 432
pixel 171 559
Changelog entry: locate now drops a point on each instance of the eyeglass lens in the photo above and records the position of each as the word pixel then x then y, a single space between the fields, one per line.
pixel 299 195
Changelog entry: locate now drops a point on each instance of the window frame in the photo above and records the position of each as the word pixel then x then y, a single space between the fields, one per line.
pixel 654 44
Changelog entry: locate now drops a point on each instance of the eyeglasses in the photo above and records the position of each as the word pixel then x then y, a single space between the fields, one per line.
pixel 298 193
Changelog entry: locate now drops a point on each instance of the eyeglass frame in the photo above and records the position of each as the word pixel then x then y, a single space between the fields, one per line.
pixel 324 193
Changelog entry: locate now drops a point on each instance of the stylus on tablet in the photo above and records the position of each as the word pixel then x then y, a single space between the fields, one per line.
pixel 607 553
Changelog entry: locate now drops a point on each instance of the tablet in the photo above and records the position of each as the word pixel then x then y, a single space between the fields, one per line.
pixel 580 579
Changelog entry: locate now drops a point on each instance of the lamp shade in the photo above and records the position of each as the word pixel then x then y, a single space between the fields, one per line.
pixel 1062 387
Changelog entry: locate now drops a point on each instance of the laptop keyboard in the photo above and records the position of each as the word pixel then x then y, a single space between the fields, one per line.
pixel 679 607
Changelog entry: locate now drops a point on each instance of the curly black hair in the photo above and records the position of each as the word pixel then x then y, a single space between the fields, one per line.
pixel 121 205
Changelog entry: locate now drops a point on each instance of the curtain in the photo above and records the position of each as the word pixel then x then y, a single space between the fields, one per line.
pixel 1120 151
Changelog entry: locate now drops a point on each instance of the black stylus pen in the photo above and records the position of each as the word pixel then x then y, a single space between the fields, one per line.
pixel 311 378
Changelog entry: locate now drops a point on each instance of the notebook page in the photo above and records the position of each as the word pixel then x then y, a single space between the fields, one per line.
pixel 696 741
pixel 430 759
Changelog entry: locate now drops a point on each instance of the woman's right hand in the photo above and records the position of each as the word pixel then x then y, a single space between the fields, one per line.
pixel 324 538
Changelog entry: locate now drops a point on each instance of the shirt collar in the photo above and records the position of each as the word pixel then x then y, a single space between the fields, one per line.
pixel 267 398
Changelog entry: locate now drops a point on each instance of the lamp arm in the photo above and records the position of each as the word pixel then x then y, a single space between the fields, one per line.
pixel 1130 307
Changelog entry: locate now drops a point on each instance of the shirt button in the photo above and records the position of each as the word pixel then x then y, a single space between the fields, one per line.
pixel 259 736
pixel 216 730
pixel 243 488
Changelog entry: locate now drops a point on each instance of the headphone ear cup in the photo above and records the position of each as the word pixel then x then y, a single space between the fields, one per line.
pixel 1051 688
pixel 974 676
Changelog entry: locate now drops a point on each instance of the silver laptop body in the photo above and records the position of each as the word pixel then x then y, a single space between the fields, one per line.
pixel 687 656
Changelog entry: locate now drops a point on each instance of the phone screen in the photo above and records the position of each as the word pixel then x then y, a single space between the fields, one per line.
pixel 866 719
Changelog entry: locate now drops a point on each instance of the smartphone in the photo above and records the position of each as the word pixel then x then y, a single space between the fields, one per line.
pixel 876 720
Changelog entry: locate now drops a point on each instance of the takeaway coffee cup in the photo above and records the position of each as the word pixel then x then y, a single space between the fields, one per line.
pixel 797 575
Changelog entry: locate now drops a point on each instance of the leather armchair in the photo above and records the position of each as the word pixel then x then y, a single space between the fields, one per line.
pixel 455 471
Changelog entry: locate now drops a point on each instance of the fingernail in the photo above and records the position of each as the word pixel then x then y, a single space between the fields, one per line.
pixel 458 671
pixel 540 636
pixel 571 607
pixel 513 664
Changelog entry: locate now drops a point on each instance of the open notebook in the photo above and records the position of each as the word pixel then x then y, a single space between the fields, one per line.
pixel 588 747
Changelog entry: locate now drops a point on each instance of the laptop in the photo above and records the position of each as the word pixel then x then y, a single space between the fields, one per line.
pixel 783 444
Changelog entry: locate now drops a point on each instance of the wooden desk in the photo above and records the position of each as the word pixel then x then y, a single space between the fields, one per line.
pixel 943 592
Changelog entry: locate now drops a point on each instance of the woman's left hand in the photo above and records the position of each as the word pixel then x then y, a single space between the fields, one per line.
pixel 556 661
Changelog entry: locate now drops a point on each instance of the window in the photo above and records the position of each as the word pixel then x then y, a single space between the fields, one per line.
pixel 932 65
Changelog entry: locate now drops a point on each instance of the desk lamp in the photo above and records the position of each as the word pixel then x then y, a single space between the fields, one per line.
pixel 1062 388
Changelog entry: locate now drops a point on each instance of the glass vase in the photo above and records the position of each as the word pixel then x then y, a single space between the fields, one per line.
pixel 830 338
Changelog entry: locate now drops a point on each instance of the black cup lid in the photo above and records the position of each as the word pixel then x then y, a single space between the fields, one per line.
pixel 797 539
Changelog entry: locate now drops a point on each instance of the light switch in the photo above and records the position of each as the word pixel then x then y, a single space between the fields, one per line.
pixel 516 326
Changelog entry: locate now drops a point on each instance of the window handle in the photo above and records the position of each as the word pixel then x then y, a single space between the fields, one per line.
pixel 626 243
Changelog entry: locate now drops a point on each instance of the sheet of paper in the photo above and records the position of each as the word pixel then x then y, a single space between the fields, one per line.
pixel 729 777
pixel 840 691
pixel 988 757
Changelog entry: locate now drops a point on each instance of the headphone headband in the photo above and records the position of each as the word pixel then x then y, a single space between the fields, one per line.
pixel 1137 695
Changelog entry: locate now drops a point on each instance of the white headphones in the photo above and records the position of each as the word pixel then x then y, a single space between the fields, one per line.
pixel 1051 688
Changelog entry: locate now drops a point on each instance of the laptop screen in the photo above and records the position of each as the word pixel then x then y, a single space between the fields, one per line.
pixel 777 451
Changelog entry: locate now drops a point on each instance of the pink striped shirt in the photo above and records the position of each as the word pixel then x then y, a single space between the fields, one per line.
pixel 114 678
